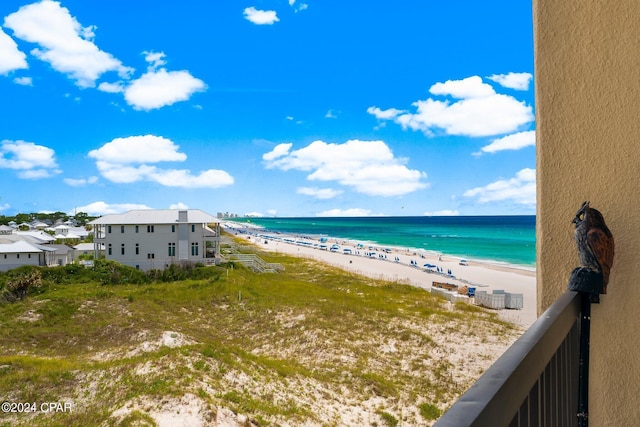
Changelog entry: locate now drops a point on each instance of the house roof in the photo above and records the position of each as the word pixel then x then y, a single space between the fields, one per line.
pixel 61 249
pixel 67 236
pixel 87 246
pixel 156 216
pixel 35 236
pixel 18 247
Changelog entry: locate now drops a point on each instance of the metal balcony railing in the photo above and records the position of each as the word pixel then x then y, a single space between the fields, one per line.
pixel 534 383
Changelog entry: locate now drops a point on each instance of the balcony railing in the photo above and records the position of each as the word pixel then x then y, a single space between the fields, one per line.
pixel 534 383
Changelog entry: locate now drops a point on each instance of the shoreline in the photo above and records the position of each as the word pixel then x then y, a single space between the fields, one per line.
pixel 266 232
pixel 404 264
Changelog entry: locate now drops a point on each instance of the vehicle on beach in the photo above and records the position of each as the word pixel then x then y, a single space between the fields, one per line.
pixel 463 262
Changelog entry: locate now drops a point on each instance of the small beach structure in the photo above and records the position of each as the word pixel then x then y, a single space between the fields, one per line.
pixel 499 299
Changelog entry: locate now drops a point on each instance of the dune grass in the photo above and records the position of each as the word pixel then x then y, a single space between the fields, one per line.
pixel 313 344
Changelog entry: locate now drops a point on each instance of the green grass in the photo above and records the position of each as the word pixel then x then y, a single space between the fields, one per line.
pixel 273 347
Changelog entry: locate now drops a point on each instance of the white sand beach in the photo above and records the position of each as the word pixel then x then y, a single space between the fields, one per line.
pixel 405 265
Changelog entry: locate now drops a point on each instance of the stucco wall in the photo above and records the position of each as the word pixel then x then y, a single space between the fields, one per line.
pixel 587 76
pixel 155 243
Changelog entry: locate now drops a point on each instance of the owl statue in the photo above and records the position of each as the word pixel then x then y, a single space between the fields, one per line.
pixel 595 250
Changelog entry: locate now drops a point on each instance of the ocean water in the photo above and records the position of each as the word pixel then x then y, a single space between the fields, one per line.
pixel 499 239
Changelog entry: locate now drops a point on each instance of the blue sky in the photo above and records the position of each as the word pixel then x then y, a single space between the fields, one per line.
pixel 267 107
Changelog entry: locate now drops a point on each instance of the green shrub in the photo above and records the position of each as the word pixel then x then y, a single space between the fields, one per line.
pixel 429 411
pixel 389 419
pixel 110 272
pixel 20 282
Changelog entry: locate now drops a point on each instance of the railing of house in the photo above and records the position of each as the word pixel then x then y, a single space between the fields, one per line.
pixel 534 383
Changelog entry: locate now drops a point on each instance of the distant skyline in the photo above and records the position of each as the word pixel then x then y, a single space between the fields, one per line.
pixel 267 107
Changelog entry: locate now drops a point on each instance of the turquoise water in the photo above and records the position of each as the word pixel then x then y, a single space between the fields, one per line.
pixel 503 239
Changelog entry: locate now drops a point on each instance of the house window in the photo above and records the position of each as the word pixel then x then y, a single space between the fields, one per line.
pixel 193 228
pixel 151 256
pixel 29 255
pixel 137 248
pixel 17 255
pixel 108 229
pixel 150 229
pixel 173 228
pixel 137 267
pixel 109 248
pixel 194 249
pixel 5 256
pixel 172 249
pixel 122 228
pixel 122 249
pixel 137 227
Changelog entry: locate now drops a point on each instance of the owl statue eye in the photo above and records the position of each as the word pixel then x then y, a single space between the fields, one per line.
pixel 581 216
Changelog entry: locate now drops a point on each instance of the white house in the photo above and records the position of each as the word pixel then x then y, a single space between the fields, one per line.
pixel 67 232
pixel 154 239
pixel 16 254
pixel 87 249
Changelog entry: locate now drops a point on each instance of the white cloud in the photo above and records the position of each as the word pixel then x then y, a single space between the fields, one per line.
pixel 23 81
pixel 260 17
pixel 103 208
pixel 4 207
pixel 479 111
pixel 178 205
pixel 11 58
pixel 369 167
pixel 515 141
pixel 126 160
pixel 353 212
pixel 444 212
pixel 123 174
pixel 139 149
pixel 63 42
pixel 80 182
pixel 384 114
pixel 319 193
pixel 30 160
pixel 298 7
pixel 117 87
pixel 69 48
pixel 38 173
pixel 520 189
pixel 331 115
pixel 279 151
pixel 517 81
pixel 471 87
pixel 211 178
pixel 155 59
pixel 159 88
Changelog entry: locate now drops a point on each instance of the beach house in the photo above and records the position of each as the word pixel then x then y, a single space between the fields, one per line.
pixel 154 239
pixel 21 252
